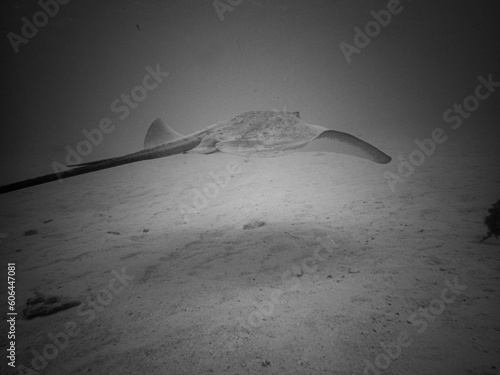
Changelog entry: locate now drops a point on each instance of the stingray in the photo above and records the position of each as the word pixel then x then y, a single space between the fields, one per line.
pixel 264 134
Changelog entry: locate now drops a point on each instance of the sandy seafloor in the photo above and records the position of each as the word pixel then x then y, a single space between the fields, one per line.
pixel 341 267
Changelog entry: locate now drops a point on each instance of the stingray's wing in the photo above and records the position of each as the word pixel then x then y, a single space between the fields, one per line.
pixel 282 143
pixel 362 149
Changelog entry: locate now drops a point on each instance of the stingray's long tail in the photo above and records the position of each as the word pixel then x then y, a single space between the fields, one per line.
pixel 364 149
pixel 152 153
pixel 59 176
